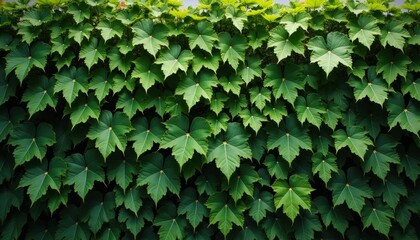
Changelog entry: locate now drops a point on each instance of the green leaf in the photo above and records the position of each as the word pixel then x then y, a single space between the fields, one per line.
pixel 80 11
pixel 294 21
pixel 110 29
pixel 231 83
pixel 232 49
pixel 374 87
pixel 6 169
pixel 276 167
pixel 353 189
pixel 80 32
pixel 23 58
pixel 120 82
pixel 110 132
pixel 99 210
pixel 36 17
pixel 306 225
pixel 328 54
pixel 293 195
pixel 131 103
pixel 145 134
pixel 253 118
pixel 332 115
pixel 276 111
pixel 173 59
pixel 393 34
pixel 324 165
pixel 71 81
pixel 242 182
pixel 237 16
pixel 14 227
pixel 277 226
pixel 262 203
pixel 171 226
pixel 228 148
pixel 203 36
pixel 92 52
pixel 250 69
pixel 406 115
pixel 135 223
pixel 284 84
pixel 392 189
pixel 70 227
pixel 39 95
pixel 310 109
pixel 410 163
pixel 9 119
pixel 83 109
pixel 284 43
pixel 119 61
pixel 335 216
pixel 224 212
pixel 410 86
pixel 84 171
pixel 194 87
pixel 131 199
pixel 259 96
pixel 364 30
pixel 391 64
pixel 256 37
pixel 289 138
pixel 101 83
pixel 151 36
pixel 122 169
pixel 31 141
pixel 205 60
pixel 159 175
pixel 39 177
pixel 7 86
pixel 355 138
pixel 378 216
pixel 192 205
pixel 147 72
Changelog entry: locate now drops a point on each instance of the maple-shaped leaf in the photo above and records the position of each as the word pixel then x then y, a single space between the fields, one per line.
pixel 122 168
pixel 242 182
pixel 284 43
pixel 284 84
pixel 130 199
pixel 159 175
pixel 371 86
pixel 364 30
pixel 250 69
pixel 410 86
pixel 110 132
pixel 80 32
pixel 40 94
pixel 185 139
pixel 275 111
pixel 391 64
pixel 310 109
pixel 237 16
pixel 332 115
pixel 6 170
pixel 120 82
pixel 355 138
pixel 276 166
pixel 79 11
pixel 228 148
pixel 231 83
pixel 277 226
pixel 352 188
pixel 262 203
pixel 92 52
pixel 145 134
pixel 60 45
pixel 9 119
pixel 232 49
pixel 39 177
pixel 7 85
pixel 324 165
pixel 36 17
pixel 101 82
pixel 392 189
pixel 205 60
pixel 259 96
pixel 292 195
pixel 256 37
pixel 193 87
pixel 407 116
pixel 171 226
pixel 148 72
pixel 394 34
pixel 378 216
pixel 70 226
pixel 410 163
pixel 328 54
pixel 31 141
pixel 294 21
pixel 135 223
pixel 202 36
pixel 110 29
pixel 23 58
pixel 71 81
pixel 253 118
pixel 225 212
pixel 336 216
pixel 289 138
pixel 192 205
pixel 119 61
pixel 131 103
pixel 83 109
pixel 99 209
pixel 84 171
pixel 151 36
pixel 173 59
pixel 306 225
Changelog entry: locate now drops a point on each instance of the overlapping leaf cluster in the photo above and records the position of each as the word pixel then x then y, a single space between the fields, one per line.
pixel 235 119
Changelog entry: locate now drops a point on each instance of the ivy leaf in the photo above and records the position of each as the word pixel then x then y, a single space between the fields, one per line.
pixel 252 118
pixel 83 109
pixel 294 21
pixel 372 86
pixel 224 212
pixel 284 43
pixel 122 169
pixel 119 61
pixel 392 189
pixel 378 216
pixel 101 83
pixel 14 226
pixel 332 115
pixel 79 11
pixel 392 64
pixel 159 175
pixel 192 205
pixel 23 58
pixel 324 165
pixel 393 34
pixel 40 94
pixel 194 87
pixel 250 69
pixel 145 134
pixel 228 148
pixel 259 96
pixel 335 216
pixel 147 72
pixel 289 138
pixel 410 86
pixel 242 182
pixel 203 36
pixel 70 227
pixel 135 223
pixel 328 54
pixel 237 16
pixel 151 36
pixel 276 167
pixel 171 225
pixel 84 171
pixel 131 103
pixel 92 52
pixel 39 177
pixel 277 226
pixel 7 86
pixel 110 131
pixel 410 163
pixel 231 83
pixel 205 60
pixel 355 138
pixel 310 109
pixel 232 49
pixel 80 32
pixel 71 81
pixel 406 115
pixel 256 37
pixel 60 45
pixel 173 59
pixel 131 199
pixel 353 189
pixel 364 30
pixel 110 29
pixel 276 111
pixel 293 195
pixel 99 210
pixel 31 141
pixel 261 204
pixel 9 119
pixel 6 170
pixel 306 225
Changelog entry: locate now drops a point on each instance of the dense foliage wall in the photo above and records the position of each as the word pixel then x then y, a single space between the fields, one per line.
pixel 236 119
